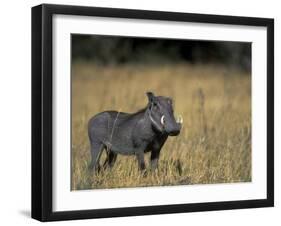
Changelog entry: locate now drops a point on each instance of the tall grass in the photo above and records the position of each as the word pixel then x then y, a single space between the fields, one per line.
pixel 214 145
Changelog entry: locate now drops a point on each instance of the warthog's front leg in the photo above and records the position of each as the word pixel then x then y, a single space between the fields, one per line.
pixel 154 157
pixel 140 157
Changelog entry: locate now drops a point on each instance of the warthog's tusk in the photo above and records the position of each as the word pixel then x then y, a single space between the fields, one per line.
pixel 163 120
pixel 180 119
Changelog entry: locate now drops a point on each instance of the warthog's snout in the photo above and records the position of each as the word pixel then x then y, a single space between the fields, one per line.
pixel 175 130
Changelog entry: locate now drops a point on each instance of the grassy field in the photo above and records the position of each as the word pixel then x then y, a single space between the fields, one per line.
pixel 214 145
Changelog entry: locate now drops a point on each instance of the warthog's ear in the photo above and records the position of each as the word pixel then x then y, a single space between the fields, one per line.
pixel 150 96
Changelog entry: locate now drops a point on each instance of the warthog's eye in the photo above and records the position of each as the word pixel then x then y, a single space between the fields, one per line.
pixel 163 120
pixel 156 107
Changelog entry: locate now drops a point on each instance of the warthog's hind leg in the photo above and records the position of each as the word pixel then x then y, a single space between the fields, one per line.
pixel 96 151
pixel 110 160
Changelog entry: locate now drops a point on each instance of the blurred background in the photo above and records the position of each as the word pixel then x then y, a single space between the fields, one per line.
pixel 121 50
pixel 210 83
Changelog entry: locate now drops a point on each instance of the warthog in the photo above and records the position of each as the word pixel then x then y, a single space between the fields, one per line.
pixel 133 134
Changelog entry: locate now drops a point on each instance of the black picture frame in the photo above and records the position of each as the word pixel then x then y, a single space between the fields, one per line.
pixel 42 107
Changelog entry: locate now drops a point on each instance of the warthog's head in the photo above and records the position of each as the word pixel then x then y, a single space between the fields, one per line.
pixel 161 114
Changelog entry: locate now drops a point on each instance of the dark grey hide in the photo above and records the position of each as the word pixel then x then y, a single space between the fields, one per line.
pixel 133 134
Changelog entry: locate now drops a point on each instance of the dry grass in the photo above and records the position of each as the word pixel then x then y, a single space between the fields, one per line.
pixel 214 145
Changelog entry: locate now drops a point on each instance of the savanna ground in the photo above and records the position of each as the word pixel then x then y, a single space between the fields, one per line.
pixel 214 145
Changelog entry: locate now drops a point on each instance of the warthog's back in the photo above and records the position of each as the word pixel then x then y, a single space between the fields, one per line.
pixel 114 129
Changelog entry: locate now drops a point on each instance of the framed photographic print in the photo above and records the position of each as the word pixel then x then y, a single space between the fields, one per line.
pixel 145 112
